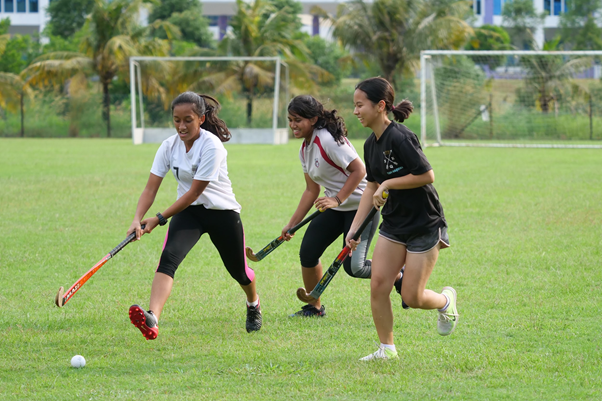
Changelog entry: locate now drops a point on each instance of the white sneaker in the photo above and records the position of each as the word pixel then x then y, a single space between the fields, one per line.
pixel 382 353
pixel 446 323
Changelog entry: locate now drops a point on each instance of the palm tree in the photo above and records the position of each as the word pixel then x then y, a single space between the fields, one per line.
pixel 112 36
pixel 548 76
pixel 13 90
pixel 255 35
pixel 393 32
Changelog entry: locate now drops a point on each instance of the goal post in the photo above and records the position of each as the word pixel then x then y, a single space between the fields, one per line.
pixel 511 98
pixel 256 115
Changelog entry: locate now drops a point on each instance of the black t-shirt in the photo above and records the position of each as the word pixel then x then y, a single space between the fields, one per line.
pixel 397 153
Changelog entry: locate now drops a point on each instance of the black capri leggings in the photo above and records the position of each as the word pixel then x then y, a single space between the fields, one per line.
pixel 325 229
pixel 225 230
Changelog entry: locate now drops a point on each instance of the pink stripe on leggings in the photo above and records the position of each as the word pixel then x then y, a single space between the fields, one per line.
pixel 248 271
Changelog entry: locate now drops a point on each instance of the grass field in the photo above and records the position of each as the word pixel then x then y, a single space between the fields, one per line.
pixel 526 233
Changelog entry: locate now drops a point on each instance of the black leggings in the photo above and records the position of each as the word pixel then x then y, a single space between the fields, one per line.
pixel 225 230
pixel 325 229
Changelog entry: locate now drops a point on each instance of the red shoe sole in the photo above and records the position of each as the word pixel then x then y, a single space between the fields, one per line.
pixel 139 320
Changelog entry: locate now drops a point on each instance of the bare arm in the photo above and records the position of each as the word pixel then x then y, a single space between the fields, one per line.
pixel 362 211
pixel 358 172
pixel 148 196
pixel 312 190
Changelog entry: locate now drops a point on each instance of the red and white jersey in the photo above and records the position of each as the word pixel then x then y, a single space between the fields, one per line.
pixel 326 162
pixel 205 161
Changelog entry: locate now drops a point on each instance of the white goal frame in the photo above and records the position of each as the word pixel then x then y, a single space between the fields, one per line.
pixel 279 135
pixel 425 55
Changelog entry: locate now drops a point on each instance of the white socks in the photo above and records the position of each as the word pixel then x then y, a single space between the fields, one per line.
pixel 391 347
pixel 254 303
pixel 446 304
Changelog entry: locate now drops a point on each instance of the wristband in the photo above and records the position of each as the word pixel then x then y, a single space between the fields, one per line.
pixel 338 200
pixel 162 220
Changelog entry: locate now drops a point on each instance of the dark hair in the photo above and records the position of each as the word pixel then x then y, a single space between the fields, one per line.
pixel 205 105
pixel 377 89
pixel 307 106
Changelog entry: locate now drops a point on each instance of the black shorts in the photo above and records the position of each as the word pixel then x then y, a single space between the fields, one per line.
pixel 419 243
pixel 225 231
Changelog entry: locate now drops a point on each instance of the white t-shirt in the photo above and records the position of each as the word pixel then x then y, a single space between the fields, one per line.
pixel 206 161
pixel 326 162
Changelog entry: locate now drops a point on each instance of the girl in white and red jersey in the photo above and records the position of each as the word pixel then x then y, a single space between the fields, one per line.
pixel 414 228
pixel 205 204
pixel 329 160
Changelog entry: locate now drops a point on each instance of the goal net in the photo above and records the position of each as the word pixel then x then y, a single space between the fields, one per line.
pixel 511 98
pixel 252 92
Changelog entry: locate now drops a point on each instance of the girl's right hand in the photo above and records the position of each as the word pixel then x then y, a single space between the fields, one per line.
pixel 137 228
pixel 285 234
pixel 351 243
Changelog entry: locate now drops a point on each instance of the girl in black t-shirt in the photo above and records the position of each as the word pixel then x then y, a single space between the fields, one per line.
pixel 413 228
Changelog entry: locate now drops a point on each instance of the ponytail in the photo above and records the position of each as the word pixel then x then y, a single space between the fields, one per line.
pixel 333 124
pixel 213 123
pixel 403 110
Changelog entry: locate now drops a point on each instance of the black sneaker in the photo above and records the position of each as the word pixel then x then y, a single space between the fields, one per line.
pixel 310 311
pixel 398 288
pixel 254 319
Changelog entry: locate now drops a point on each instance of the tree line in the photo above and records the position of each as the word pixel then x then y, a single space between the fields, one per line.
pixel 87 44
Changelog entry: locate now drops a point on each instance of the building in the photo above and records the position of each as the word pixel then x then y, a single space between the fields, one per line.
pixel 26 16
pixel 29 16
pixel 490 12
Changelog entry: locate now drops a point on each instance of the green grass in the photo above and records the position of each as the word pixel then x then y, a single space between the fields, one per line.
pixel 526 233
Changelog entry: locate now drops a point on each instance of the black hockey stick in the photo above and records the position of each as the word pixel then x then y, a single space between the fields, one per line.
pixel 269 248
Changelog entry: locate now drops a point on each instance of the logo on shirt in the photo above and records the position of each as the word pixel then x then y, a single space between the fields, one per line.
pixel 391 165
pixel 317 163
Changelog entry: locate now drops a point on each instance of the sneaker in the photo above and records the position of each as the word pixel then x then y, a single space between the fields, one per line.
pixel 310 311
pixel 398 288
pixel 254 319
pixel 145 321
pixel 381 353
pixel 446 323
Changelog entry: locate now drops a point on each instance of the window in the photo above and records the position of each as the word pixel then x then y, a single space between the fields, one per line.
pixel 21 6
pixel 477 7
pixel 33 6
pixel 9 6
pixel 547 6
pixel 497 7
pixel 557 7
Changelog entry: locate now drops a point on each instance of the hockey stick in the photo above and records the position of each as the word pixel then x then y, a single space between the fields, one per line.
pixel 269 248
pixel 62 298
pixel 334 267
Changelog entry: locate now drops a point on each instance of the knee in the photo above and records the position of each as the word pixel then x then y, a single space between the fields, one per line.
pixel 412 299
pixel 380 286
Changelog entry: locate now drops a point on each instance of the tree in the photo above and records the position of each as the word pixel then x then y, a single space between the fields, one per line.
pixel 521 17
pixel 188 16
pixel 13 90
pixel 111 37
pixel 581 25
pixel 329 56
pixel 291 10
pixel 550 76
pixel 252 35
pixel 392 32
pixel 68 16
pixel 489 37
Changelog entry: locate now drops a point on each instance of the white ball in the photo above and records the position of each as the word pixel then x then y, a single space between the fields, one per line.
pixel 78 361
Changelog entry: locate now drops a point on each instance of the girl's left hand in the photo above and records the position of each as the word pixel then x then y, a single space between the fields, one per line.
pixel 377 199
pixel 151 223
pixel 326 202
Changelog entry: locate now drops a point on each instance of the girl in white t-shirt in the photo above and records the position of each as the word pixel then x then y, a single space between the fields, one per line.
pixel 329 160
pixel 205 204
